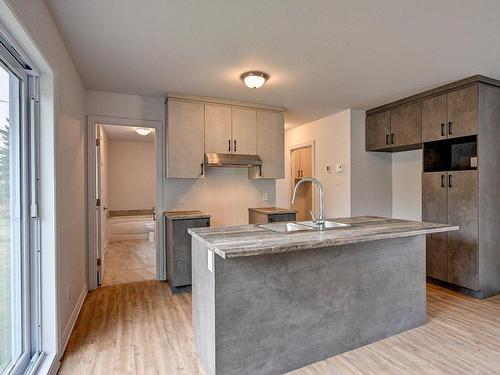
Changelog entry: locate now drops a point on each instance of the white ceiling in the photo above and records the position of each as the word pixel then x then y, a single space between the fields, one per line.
pixel 126 133
pixel 323 55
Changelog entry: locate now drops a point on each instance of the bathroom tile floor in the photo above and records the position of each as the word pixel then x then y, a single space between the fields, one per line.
pixel 129 261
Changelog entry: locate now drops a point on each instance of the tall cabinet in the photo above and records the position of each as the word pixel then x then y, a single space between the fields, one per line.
pixel 460 137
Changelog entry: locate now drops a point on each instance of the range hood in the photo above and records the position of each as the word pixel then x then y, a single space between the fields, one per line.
pixel 213 159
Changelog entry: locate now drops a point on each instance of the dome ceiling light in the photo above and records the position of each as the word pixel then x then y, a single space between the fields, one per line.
pixel 143 131
pixel 254 79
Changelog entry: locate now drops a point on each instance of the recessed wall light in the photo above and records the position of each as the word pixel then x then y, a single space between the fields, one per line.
pixel 254 79
pixel 143 131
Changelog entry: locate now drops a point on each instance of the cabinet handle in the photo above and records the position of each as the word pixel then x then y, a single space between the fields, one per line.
pixel 202 169
pixel 392 138
pixel 229 145
pixel 449 128
pixel 442 180
pixel 387 139
pixel 449 181
pixel 442 129
pixel 235 145
pixel 301 173
pixel 260 170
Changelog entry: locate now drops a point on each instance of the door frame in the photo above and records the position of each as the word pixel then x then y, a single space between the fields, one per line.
pixel 90 176
pixel 313 167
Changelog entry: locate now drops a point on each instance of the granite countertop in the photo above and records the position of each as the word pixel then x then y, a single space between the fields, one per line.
pixel 250 240
pixel 272 210
pixel 181 215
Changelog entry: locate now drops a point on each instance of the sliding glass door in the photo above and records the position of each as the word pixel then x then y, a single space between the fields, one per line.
pixel 16 286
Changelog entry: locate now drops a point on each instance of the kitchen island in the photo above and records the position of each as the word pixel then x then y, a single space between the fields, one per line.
pixel 266 302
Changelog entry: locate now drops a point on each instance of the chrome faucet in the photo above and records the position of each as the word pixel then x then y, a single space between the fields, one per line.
pixel 321 220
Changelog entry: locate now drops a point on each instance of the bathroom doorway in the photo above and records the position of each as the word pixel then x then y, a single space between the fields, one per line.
pixel 124 193
pixel 302 166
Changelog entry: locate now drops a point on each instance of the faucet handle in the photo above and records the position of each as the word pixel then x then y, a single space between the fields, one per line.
pixel 312 215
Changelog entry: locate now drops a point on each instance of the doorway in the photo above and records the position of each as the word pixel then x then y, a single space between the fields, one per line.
pixel 124 183
pixel 302 166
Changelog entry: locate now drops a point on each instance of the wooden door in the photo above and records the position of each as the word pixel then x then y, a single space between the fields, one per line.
pixel 406 125
pixel 244 131
pixel 434 119
pixel 462 112
pixel 186 145
pixel 434 210
pixel 463 244
pixel 271 143
pixel 217 128
pixel 378 128
pixel 306 162
pixel 296 164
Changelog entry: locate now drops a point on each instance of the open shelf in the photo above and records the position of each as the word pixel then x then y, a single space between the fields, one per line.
pixel 451 154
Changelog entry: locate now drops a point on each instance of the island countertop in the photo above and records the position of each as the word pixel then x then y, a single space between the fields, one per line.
pixel 250 240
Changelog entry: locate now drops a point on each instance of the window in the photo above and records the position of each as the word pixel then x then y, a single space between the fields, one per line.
pixel 19 284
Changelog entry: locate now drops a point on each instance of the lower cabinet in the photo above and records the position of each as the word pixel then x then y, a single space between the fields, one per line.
pixel 179 250
pixel 452 197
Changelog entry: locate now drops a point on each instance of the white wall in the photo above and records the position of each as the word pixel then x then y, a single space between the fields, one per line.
pixel 371 177
pixel 407 185
pixel 131 173
pixel 331 138
pixel 62 95
pixel 226 194
pixel 366 182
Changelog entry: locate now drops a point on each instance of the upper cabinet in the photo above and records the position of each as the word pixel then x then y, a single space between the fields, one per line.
pixel 450 111
pixel 185 139
pixel 451 115
pixel 270 145
pixel 244 131
pixel 196 126
pixel 218 128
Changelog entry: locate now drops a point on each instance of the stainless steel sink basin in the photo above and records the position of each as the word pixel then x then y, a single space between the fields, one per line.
pixel 302 226
pixel 326 225
pixel 286 227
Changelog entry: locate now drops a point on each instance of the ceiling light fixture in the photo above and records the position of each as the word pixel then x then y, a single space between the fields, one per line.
pixel 143 131
pixel 254 79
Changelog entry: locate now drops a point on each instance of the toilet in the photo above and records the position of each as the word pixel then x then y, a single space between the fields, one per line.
pixel 150 226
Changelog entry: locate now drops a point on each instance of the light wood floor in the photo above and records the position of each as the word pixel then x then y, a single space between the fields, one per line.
pixel 129 261
pixel 140 328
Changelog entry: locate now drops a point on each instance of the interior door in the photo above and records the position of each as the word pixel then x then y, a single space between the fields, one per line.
pixel 434 118
pixel 306 161
pixel 463 244
pixel 244 131
pixel 218 128
pixel 434 210
pixel 462 111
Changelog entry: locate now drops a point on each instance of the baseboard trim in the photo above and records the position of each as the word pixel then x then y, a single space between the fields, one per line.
pixel 72 320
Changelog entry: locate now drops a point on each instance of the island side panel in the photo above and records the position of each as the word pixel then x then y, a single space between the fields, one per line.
pixel 203 306
pixel 279 312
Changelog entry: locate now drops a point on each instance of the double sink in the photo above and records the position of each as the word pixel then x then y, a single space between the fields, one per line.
pixel 303 226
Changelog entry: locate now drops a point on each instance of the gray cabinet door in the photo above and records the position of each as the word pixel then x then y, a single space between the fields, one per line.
pixel 434 119
pixel 377 131
pixel 244 131
pixel 406 125
pixel 434 210
pixel 463 244
pixel 462 111
pixel 185 139
pixel 218 128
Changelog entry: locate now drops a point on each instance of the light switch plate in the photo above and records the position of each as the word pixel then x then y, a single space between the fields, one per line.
pixel 210 260
pixel 182 200
pixel 265 196
pixel 473 162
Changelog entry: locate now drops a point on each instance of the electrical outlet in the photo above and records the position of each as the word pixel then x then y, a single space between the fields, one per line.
pixel 182 200
pixel 328 168
pixel 68 293
pixel 265 196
